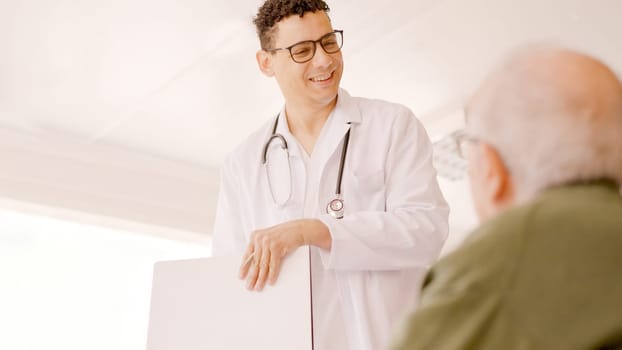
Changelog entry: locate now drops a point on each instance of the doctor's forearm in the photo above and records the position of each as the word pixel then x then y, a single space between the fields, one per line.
pixel 316 233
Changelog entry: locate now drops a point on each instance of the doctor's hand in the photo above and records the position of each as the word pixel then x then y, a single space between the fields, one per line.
pixel 268 247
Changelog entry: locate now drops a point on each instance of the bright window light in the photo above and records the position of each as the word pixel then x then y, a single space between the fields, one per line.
pixel 65 285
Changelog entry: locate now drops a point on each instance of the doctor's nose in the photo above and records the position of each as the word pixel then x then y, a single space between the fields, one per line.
pixel 321 58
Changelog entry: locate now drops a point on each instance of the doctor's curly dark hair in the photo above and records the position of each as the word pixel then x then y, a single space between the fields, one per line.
pixel 273 11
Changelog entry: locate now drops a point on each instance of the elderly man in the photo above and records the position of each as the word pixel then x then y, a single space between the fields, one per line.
pixel 544 270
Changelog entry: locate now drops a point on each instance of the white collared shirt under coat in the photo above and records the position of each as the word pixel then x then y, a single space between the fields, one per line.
pixel 395 219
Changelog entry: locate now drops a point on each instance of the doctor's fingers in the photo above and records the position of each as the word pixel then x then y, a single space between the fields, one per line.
pixel 247 260
pixel 253 273
pixel 264 267
pixel 275 268
pixel 277 254
pixel 261 260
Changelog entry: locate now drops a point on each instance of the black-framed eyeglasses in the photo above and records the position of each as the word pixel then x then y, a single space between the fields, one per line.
pixel 463 143
pixel 304 51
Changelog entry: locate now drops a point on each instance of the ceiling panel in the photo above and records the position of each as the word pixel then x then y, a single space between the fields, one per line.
pixel 178 79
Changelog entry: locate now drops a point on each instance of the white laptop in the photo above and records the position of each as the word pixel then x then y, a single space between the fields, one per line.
pixel 201 304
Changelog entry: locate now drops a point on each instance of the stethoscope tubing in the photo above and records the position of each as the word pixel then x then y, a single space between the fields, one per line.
pixel 336 213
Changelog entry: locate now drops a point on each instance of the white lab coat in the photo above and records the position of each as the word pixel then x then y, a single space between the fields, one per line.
pixel 395 216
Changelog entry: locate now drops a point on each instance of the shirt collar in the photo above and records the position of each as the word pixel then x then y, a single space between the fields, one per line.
pixel 346 112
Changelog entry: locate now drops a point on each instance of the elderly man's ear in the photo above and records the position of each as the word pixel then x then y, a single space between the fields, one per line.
pixel 497 185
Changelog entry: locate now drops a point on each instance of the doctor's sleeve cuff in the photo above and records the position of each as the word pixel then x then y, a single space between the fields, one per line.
pixel 328 256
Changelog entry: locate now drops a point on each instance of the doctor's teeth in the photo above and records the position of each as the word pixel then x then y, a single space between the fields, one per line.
pixel 321 78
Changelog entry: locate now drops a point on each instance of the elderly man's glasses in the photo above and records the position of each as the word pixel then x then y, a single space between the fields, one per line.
pixel 464 143
pixel 304 51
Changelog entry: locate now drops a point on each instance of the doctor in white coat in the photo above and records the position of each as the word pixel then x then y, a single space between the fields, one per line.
pixel 351 178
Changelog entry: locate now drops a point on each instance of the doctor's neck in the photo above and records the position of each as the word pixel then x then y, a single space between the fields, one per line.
pixel 307 120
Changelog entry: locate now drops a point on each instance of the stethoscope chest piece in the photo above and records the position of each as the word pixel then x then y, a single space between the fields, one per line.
pixel 335 208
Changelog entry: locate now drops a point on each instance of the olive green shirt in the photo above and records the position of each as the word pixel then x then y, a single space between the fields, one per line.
pixel 546 275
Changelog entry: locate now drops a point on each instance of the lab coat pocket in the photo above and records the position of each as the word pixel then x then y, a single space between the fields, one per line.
pixel 368 190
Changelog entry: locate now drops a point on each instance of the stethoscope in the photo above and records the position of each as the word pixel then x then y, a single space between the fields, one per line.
pixel 335 207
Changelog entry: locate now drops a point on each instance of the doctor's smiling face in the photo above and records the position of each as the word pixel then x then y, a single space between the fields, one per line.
pixel 313 83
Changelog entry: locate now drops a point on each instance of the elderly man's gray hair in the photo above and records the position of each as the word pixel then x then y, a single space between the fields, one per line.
pixel 554 116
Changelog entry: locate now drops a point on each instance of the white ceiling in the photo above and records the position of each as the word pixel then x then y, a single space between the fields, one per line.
pixel 177 79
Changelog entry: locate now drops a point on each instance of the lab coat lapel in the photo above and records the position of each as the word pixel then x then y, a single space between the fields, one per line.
pixel 345 116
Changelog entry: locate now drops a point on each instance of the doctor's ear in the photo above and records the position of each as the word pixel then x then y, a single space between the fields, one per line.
pixel 264 61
